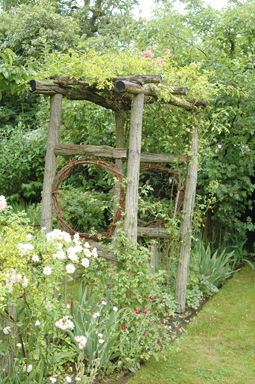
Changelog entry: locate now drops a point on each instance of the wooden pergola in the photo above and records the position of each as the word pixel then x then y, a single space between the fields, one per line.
pixel 128 93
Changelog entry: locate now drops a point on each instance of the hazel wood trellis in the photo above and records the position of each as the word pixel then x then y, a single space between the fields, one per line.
pixel 128 93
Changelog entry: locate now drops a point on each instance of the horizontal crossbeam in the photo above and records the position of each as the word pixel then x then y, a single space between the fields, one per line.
pixel 108 152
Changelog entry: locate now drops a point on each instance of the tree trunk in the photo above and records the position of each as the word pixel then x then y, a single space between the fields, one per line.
pixel 50 161
pixel 130 222
pixel 186 223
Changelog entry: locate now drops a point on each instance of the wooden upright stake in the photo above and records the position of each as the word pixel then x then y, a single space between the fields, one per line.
pixel 186 224
pixel 119 129
pixel 130 222
pixel 50 161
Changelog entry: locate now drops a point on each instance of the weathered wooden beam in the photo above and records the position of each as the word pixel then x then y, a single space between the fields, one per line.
pixel 116 153
pixel 90 93
pixel 91 150
pixel 149 90
pixel 102 251
pixel 186 223
pixel 73 93
pixel 133 171
pixel 50 161
pixel 152 232
pixel 167 158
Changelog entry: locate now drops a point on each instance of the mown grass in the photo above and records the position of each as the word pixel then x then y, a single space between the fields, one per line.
pixel 219 346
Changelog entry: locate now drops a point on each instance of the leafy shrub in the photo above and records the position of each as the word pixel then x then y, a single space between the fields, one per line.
pixel 117 324
pixel 131 285
pixel 212 266
pixel 22 156
pixel 84 210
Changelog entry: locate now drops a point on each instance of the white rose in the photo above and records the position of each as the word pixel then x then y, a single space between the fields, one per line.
pixel 47 270
pixel 85 262
pixel 70 268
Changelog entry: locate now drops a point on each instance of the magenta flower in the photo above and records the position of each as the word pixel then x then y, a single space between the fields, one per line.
pixel 144 334
pixel 151 297
pixel 136 299
pixel 123 327
pixel 145 312
pixel 148 53
pixel 137 312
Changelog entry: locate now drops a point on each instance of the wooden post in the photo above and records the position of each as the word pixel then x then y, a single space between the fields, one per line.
pixel 50 161
pixel 119 129
pixel 153 256
pixel 186 223
pixel 133 171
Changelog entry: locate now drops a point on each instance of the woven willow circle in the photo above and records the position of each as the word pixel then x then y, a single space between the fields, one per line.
pixel 160 168
pixel 63 174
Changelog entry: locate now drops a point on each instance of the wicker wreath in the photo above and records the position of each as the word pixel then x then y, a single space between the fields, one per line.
pixel 161 168
pixel 64 173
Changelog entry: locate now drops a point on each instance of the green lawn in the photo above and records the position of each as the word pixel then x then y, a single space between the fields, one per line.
pixel 219 346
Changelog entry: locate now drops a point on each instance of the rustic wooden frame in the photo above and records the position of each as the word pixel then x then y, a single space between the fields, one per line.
pixel 128 93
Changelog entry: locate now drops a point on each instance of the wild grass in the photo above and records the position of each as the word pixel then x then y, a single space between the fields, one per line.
pixel 219 345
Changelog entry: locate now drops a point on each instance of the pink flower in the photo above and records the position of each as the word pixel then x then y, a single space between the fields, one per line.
pixel 148 53
pixel 194 64
pixel 137 312
pixel 144 334
pixel 145 312
pixel 155 46
pixel 123 327
pixel 160 59
pixel 151 297
pixel 219 146
pixel 168 52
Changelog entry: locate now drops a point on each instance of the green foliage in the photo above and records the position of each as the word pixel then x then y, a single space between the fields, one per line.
pixel 12 77
pixel 30 29
pixel 86 210
pixel 100 69
pixel 87 123
pixel 105 19
pixel 22 158
pixel 131 285
pixel 18 111
pixel 212 266
pixel 100 324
